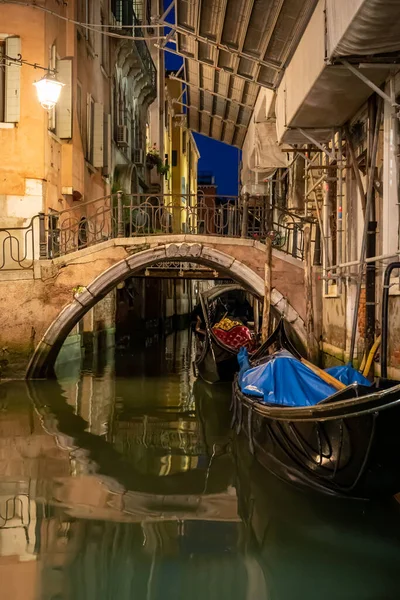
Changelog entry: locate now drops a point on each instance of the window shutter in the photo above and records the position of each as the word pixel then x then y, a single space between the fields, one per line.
pixel 64 105
pixel 13 81
pixel 98 135
pixel 107 145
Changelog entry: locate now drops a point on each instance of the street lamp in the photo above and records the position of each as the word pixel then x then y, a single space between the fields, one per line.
pixel 48 90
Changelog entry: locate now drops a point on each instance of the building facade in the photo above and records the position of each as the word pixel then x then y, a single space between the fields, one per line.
pixel 324 145
pixel 94 141
pixel 182 156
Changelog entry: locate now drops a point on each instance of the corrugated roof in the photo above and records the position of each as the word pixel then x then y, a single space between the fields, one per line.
pixel 231 48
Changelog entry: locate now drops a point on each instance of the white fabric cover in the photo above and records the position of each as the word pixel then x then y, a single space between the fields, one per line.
pixel 261 152
pixel 362 27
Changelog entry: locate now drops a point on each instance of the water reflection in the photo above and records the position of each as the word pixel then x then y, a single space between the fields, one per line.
pixel 122 480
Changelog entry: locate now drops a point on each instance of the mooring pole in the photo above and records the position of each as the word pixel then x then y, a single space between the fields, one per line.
pixel 309 294
pixel 267 290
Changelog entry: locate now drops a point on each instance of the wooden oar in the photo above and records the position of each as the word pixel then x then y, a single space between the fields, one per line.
pixel 338 385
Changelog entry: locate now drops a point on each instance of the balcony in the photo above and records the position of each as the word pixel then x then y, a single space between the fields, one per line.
pixel 125 15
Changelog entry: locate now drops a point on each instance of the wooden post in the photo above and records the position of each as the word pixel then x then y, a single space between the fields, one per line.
pixel 245 216
pixel 42 237
pixel 308 289
pixel 256 310
pixel 267 290
pixel 120 216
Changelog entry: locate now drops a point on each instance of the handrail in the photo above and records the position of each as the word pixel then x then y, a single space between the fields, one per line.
pixel 119 215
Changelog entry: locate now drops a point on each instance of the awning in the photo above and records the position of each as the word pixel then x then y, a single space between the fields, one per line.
pixel 317 95
pixel 231 49
pixel 374 27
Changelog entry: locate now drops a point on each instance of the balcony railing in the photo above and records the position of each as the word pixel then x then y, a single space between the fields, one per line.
pixel 138 215
pixel 124 12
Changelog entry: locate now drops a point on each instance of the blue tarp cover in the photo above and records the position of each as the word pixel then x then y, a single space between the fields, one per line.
pixel 282 380
pixel 347 375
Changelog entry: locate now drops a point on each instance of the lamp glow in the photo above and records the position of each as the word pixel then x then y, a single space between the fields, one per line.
pixel 48 91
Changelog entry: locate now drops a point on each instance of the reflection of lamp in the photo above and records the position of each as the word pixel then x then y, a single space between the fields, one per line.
pixel 48 90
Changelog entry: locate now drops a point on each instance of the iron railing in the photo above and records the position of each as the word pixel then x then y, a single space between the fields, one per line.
pixel 19 246
pixel 121 216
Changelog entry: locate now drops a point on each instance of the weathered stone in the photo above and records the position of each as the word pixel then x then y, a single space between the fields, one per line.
pixel 48 270
pixel 215 259
pixel 183 249
pixel 172 250
pixel 291 315
pixel 143 259
pixel 250 280
pixel 84 298
pixel 37 364
pixel 68 317
pixel 107 280
pixel 276 297
pixel 195 250
pixel 131 250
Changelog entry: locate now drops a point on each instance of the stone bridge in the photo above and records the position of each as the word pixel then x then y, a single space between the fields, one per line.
pixel 39 312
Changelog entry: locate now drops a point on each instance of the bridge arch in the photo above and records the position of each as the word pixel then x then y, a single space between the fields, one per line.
pixel 46 352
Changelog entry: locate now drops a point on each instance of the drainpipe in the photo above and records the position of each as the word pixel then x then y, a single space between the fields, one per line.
pixel 368 205
pixel 339 211
pixel 326 232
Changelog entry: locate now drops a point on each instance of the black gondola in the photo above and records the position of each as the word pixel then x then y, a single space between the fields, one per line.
pixel 215 361
pixel 346 445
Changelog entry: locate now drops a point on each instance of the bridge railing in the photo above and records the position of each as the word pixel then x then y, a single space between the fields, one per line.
pixel 120 215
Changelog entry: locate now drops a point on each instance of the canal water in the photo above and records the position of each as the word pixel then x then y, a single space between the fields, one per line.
pixel 123 481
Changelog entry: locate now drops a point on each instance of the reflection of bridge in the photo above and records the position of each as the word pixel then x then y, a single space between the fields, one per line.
pixel 97 245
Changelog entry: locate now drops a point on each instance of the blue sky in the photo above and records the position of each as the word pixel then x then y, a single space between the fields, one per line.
pixel 220 159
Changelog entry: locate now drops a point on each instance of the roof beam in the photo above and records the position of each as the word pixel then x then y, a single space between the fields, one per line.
pixel 245 26
pixel 203 62
pixel 220 30
pixel 268 37
pixel 199 4
pixel 200 38
pixel 201 89
pixel 207 112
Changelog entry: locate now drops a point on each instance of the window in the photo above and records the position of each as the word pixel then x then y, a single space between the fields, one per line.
pixel 104 46
pixel 10 75
pixel 85 15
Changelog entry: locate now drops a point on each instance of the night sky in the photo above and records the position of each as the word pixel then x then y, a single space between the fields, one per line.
pixel 218 158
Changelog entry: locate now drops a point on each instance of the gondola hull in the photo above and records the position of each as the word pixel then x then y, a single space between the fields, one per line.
pixel 215 364
pixel 349 446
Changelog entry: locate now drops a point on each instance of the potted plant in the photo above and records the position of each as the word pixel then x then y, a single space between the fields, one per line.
pixel 153 159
